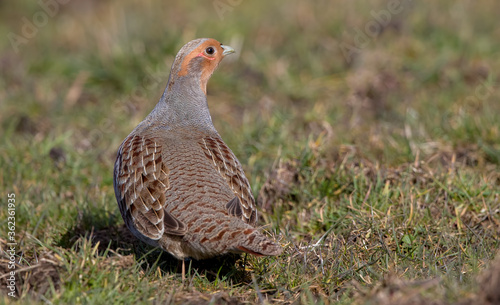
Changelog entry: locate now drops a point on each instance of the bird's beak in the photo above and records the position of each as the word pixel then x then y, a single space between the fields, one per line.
pixel 227 50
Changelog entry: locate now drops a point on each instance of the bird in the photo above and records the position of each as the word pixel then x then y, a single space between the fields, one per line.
pixel 179 187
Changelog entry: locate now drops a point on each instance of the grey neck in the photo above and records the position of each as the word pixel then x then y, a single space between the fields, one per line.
pixel 183 105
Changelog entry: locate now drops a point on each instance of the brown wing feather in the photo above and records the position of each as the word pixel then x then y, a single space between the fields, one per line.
pixel 243 205
pixel 141 180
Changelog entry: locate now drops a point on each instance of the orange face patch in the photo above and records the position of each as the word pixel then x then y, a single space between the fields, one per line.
pixel 203 55
pixel 211 52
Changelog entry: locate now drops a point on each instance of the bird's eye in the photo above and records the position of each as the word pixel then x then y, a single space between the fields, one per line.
pixel 210 50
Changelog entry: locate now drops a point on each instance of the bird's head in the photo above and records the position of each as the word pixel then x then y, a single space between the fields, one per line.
pixel 197 60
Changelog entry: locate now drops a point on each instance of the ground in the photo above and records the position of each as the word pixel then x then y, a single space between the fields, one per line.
pixel 369 131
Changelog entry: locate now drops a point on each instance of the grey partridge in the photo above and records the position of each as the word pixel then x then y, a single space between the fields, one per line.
pixel 178 185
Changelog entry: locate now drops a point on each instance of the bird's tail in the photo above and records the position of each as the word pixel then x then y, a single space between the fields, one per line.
pixel 256 243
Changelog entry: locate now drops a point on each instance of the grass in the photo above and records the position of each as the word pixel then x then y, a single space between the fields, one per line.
pixel 378 173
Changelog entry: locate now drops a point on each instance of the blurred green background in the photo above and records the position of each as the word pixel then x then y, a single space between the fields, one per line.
pixel 361 100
